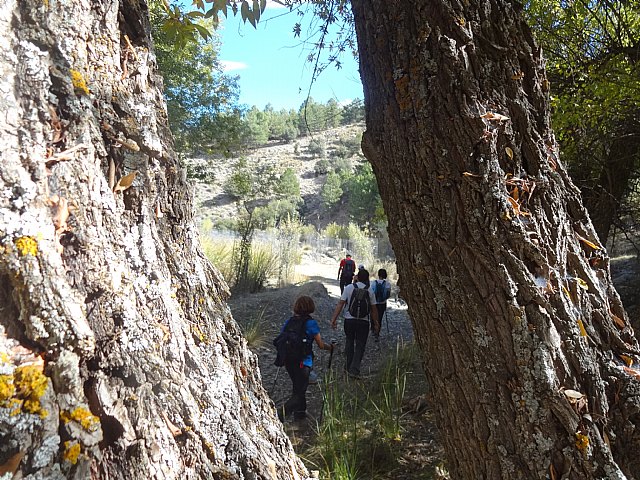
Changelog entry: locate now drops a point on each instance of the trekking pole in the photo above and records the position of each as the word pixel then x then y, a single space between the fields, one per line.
pixel 275 380
pixel 333 345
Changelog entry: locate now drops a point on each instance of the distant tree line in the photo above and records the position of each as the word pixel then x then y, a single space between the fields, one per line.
pixel 202 101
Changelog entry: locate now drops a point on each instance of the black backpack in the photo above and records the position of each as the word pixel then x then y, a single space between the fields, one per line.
pixel 359 305
pixel 349 269
pixel 292 345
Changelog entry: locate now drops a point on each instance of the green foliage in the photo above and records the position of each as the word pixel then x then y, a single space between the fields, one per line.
pixel 240 184
pixel 331 191
pixel 276 211
pixel 360 244
pixel 333 230
pixel 288 249
pixel 201 99
pixel 321 167
pixel 220 254
pixel 256 127
pixel 343 166
pixel 353 112
pixel 351 146
pixel 317 147
pixel 253 263
pixel 594 68
pixel 288 185
pixel 364 202
pixel 254 329
pixel 361 427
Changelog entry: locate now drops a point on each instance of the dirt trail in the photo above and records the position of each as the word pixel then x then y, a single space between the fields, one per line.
pixel 419 447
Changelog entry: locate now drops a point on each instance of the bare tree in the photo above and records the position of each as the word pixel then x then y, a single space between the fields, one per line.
pixel 528 350
pixel 119 357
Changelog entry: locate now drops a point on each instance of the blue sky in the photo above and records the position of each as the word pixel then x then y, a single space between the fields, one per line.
pixel 272 63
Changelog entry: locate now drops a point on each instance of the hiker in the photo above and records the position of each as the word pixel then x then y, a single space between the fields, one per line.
pixel 381 289
pixel 345 271
pixel 299 363
pixel 356 320
pixel 356 278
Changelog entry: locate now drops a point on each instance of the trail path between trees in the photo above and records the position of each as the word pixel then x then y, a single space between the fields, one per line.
pixel 418 447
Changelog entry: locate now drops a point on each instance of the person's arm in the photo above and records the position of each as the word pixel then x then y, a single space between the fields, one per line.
pixel 336 312
pixel 339 271
pixel 321 344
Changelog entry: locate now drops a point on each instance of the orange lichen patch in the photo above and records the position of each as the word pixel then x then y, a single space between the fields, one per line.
pixel 402 93
pixel 7 389
pixel 71 452
pixel 80 415
pixel 26 246
pixel 582 442
pixel 30 384
pixel 79 83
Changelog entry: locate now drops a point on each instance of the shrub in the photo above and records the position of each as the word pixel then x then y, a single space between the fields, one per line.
pixel 220 254
pixel 317 147
pixel 321 167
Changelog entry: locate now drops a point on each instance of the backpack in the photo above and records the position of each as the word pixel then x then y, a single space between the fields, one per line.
pixel 349 269
pixel 359 306
pixel 381 291
pixel 292 344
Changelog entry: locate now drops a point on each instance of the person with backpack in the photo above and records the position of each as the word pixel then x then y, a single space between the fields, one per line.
pixel 381 289
pixel 345 271
pixel 359 300
pixel 294 348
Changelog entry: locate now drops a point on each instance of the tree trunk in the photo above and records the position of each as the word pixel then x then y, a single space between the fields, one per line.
pixel 524 338
pixel 603 200
pixel 118 355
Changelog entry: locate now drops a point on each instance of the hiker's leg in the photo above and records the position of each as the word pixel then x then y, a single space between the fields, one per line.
pixel 381 307
pixel 300 380
pixel 300 391
pixel 361 334
pixel 350 334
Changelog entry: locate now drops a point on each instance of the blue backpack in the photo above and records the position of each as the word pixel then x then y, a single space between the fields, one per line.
pixel 382 291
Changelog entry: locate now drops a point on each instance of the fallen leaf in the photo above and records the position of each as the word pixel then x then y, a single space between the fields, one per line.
pixel 494 117
pixel 618 321
pixel 175 431
pixel 11 465
pixel 588 243
pixel 627 360
pixel 552 472
pixel 583 332
pixel 125 182
pixel 572 395
pixel 582 284
pixel 509 152
pixel 632 372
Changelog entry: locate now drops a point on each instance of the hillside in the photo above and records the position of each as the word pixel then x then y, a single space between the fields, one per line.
pixel 212 203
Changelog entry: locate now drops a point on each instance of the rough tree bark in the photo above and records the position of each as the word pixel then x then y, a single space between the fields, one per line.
pixel 524 338
pixel 118 355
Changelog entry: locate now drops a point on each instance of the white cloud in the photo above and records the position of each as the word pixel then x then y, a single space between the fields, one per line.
pixel 230 65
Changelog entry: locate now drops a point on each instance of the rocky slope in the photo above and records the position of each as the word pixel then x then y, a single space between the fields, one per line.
pixel 215 205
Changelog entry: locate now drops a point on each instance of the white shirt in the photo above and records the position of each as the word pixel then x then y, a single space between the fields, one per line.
pixel 346 296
